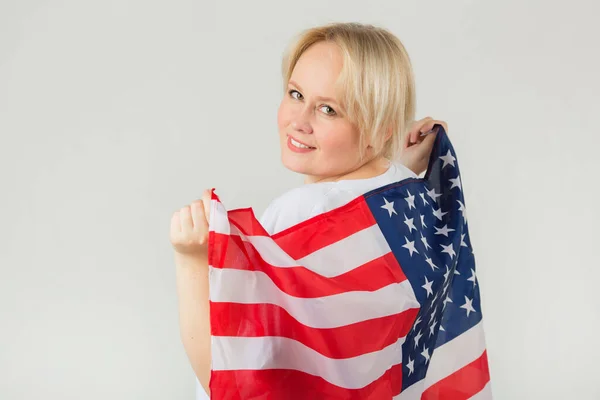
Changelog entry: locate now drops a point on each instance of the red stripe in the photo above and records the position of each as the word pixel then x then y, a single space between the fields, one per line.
pixel 277 384
pixel 301 240
pixel 233 252
pixel 259 320
pixel 463 384
pixel 245 220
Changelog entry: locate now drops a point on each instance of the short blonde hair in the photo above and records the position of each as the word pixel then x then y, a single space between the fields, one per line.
pixel 376 84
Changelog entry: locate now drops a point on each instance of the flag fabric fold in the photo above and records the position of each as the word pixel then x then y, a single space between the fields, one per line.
pixel 376 299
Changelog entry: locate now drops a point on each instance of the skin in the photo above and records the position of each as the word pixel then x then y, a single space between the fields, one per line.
pixel 310 113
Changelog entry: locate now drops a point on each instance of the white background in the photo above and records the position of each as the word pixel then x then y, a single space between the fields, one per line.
pixel 113 114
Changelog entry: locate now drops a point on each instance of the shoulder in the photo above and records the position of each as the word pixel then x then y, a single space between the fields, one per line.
pixel 398 172
pixel 294 206
pixel 307 201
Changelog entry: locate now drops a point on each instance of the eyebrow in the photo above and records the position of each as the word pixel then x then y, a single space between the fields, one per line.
pixel 329 99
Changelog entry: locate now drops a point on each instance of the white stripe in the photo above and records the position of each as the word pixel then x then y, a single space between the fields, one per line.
pixel 485 394
pixel 348 253
pixel 455 354
pixel 333 260
pixel 413 392
pixel 257 353
pixel 217 220
pixel 255 287
pixel 449 358
pixel 268 249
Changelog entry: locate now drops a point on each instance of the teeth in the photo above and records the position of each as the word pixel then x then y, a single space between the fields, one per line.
pixel 299 145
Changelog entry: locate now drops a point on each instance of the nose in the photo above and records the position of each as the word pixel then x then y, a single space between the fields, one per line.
pixel 301 121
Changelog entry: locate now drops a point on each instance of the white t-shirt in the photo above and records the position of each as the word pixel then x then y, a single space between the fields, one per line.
pixel 312 199
pixel 309 200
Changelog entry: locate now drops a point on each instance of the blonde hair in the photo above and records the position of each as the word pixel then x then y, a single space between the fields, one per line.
pixel 376 84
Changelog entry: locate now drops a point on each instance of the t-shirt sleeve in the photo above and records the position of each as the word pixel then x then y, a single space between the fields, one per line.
pixel 268 219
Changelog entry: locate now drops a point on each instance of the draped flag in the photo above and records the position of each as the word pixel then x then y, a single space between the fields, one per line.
pixel 376 299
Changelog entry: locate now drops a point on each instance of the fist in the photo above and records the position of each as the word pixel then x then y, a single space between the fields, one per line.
pixel 417 144
pixel 189 227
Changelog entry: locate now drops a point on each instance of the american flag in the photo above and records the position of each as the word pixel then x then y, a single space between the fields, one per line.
pixel 376 299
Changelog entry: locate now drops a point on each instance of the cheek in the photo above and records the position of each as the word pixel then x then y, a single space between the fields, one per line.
pixel 341 139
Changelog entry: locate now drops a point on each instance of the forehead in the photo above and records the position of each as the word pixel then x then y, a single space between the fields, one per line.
pixel 319 66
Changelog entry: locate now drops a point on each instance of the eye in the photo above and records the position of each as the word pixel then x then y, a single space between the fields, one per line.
pixel 293 93
pixel 329 110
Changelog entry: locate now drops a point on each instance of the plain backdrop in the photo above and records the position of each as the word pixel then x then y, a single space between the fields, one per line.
pixel 114 114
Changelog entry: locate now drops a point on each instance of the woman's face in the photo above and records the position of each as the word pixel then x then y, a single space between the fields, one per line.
pixel 316 138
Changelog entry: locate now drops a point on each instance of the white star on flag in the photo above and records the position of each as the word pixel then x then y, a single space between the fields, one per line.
pixel 447 300
pixel 427 286
pixel 389 206
pixel 434 310
pixel 448 250
pixel 468 306
pixel 423 221
pixel 443 231
pixel 424 240
pixel 431 264
pixel 416 323
pixel 410 365
pixel 473 278
pixel 438 213
pixel 431 193
pixel 447 274
pixel 410 246
pixel 432 328
pixel 417 338
pixel 455 183
pixel 425 353
pixel 425 202
pixel 410 200
pixel 448 159
pixel 463 210
pixel 409 222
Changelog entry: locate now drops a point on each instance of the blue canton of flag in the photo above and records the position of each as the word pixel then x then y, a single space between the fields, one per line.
pixel 446 342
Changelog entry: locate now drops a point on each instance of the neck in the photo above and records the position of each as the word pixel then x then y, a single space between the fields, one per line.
pixel 370 169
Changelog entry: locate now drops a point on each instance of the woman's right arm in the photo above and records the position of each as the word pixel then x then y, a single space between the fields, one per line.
pixel 194 325
pixel 189 237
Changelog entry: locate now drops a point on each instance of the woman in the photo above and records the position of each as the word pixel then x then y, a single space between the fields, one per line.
pixel 345 122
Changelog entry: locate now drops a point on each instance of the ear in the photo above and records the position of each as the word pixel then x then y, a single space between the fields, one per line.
pixel 388 135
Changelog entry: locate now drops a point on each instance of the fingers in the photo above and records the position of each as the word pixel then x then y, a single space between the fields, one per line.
pixel 185 220
pixel 425 126
pixel 200 221
pixel 175 224
pixel 414 134
pixel 421 127
pixel 198 216
pixel 206 198
pixel 430 124
pixel 193 217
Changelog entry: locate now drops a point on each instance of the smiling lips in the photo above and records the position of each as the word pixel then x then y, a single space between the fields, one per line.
pixel 298 147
